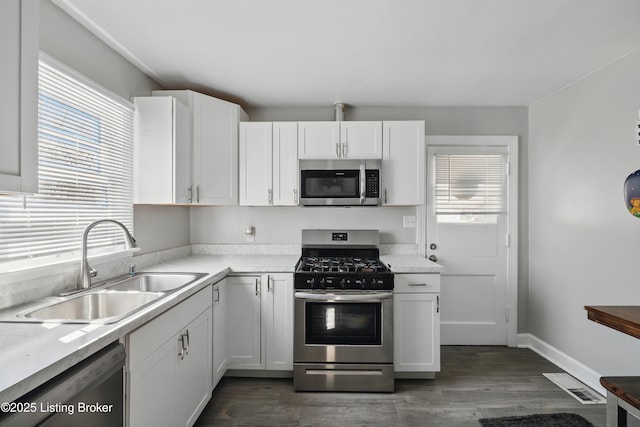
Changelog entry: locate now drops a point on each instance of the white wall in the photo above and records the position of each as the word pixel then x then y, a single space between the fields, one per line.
pixel 583 242
pixel 70 43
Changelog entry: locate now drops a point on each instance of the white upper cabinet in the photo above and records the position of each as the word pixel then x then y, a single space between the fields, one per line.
pixel 214 135
pixel 256 164
pixel 403 163
pixel 318 140
pixel 161 151
pixel 361 140
pixel 19 86
pixel 340 140
pixel 268 164
pixel 285 164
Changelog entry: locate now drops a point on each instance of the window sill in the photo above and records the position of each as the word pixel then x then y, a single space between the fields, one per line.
pixel 17 271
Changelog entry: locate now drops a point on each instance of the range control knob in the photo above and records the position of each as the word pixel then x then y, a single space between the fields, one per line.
pixel 343 283
pixel 311 282
pixel 364 283
pixel 322 284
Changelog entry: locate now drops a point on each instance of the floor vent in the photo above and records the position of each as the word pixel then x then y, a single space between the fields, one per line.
pixel 575 388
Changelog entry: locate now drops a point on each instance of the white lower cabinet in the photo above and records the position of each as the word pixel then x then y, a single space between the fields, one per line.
pixel 219 330
pixel 169 365
pixel 416 322
pixel 260 321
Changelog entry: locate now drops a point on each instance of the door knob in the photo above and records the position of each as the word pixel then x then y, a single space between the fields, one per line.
pixel 433 258
pixel 433 246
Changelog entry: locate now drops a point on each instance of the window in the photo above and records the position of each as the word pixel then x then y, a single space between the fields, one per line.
pixel 85 140
pixel 469 187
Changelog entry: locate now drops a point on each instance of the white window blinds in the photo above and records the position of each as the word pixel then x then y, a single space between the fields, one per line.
pixel 85 170
pixel 470 183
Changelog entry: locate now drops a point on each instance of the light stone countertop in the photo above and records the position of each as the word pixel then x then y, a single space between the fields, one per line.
pixel 411 264
pixel 33 353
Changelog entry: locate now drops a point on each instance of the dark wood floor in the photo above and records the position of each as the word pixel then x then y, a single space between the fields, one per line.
pixel 475 382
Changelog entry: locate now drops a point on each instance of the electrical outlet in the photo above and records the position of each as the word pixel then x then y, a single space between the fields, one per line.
pixel 250 234
pixel 409 221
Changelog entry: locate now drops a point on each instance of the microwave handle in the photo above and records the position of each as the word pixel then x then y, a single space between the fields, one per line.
pixel 363 173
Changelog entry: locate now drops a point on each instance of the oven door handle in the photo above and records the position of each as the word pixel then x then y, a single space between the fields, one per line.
pixel 338 297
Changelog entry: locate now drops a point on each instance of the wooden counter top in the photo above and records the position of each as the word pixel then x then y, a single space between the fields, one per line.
pixel 623 318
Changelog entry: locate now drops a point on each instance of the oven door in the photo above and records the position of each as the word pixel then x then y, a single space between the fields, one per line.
pixel 343 327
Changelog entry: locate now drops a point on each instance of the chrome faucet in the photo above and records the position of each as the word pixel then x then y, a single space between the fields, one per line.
pixel 86 271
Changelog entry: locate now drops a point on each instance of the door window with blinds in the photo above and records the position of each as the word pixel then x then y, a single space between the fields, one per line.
pixel 470 187
pixel 85 136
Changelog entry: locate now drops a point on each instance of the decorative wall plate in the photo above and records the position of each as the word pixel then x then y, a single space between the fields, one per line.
pixel 632 193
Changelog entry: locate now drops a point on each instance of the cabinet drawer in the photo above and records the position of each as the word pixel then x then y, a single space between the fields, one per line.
pixel 416 283
pixel 145 340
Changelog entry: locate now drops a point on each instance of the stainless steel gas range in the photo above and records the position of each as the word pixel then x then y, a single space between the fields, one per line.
pixel 343 333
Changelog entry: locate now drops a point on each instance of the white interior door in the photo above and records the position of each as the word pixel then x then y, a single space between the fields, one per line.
pixel 469 231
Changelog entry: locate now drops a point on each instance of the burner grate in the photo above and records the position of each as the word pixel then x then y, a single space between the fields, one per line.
pixel 341 265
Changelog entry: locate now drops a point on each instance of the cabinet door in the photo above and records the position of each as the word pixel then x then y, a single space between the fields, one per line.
pixel 161 151
pixel 182 154
pixel 278 321
pixel 285 164
pixel 220 302
pixel 403 163
pixel 151 388
pixel 416 329
pixel 243 322
pixel 19 86
pixel 361 140
pixel 193 370
pixel 215 150
pixel 256 164
pixel 318 140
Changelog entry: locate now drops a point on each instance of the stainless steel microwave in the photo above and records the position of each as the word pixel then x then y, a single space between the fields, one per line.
pixel 340 182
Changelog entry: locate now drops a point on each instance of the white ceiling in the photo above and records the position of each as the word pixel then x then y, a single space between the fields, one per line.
pixel 367 52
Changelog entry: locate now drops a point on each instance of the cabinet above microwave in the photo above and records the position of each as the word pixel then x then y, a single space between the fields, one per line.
pixel 340 140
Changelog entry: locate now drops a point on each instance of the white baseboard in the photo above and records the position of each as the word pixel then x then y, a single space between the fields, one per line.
pixel 572 366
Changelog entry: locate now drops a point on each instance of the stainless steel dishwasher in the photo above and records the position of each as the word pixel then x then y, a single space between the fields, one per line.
pixel 87 394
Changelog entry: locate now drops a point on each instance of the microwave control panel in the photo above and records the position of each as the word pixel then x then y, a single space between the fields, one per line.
pixel 372 183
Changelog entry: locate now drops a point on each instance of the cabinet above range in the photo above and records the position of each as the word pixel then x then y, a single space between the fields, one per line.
pixel 340 140
pixel 186 149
